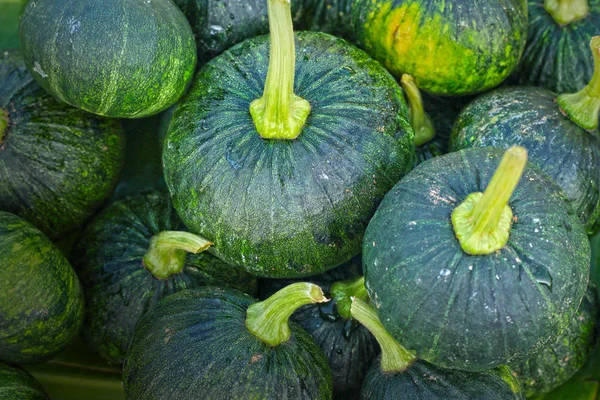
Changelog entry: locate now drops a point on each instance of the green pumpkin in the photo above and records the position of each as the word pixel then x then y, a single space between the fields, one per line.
pixel 119 286
pixel 58 164
pixel 199 341
pixel 41 301
pixel 118 58
pixel 451 47
pixel 475 305
pixel 18 384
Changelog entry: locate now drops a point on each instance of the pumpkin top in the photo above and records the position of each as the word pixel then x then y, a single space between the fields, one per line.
pixel 566 11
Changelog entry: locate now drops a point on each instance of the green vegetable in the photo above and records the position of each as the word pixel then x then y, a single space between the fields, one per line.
pixel 58 164
pixel 41 302
pixel 18 384
pixel 475 312
pixel 117 58
pixel 217 343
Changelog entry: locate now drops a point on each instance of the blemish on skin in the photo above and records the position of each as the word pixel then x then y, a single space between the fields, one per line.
pixel 74 25
pixel 256 358
pixel 38 68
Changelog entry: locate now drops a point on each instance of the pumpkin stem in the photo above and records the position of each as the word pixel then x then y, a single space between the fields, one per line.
pixel 583 107
pixel 279 113
pixel 420 121
pixel 167 251
pixel 343 292
pixel 394 357
pixel 482 222
pixel 566 11
pixel 3 123
pixel 268 319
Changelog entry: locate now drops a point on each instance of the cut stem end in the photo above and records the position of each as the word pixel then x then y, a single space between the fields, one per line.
pixel 344 291
pixel 419 120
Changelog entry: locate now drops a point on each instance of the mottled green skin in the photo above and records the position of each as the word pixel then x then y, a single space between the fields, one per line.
pixel 558 57
pixel 58 164
pixel 560 359
pixel 118 287
pixel 454 47
pixel 118 58
pixel 474 312
pixel 18 384
pixel 425 381
pixel 195 345
pixel 41 301
pixel 530 117
pixel 349 347
pixel 287 208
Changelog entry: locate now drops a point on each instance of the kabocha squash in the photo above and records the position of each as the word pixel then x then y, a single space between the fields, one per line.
pixel 41 302
pixel 285 184
pixel 455 47
pixel 508 285
pixel 216 343
pixel 117 58
pixel 18 384
pixel 58 164
pixel 133 254
pixel 560 359
pixel 398 372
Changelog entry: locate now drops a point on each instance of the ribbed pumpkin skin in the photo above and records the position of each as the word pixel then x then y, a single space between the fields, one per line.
pixel 287 208
pixel 558 57
pixel 118 58
pixel 41 302
pixel 554 364
pixel 531 118
pixel 58 164
pixel 474 312
pixel 455 47
pixel 118 287
pixel 195 345
pixel 425 381
pixel 18 384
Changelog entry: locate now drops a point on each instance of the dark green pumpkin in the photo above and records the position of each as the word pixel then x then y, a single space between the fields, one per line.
pixel 474 312
pixel 560 359
pixel 58 164
pixel 454 47
pixel 530 117
pixel 41 301
pixel 18 384
pixel 199 342
pixel 117 58
pixel 287 208
pixel 118 287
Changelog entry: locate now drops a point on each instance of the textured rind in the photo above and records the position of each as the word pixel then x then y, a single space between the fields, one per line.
pixel 58 164
pixel 531 118
pixel 41 301
pixel 425 381
pixel 18 384
pixel 455 47
pixel 474 312
pixel 283 208
pixel 117 58
pixel 560 359
pixel 118 288
pixel 558 57
pixel 195 345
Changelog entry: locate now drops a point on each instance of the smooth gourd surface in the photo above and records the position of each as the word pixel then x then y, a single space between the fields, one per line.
pixel 18 384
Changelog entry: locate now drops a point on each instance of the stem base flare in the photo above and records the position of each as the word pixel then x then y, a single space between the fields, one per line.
pixel 273 122
pixel 566 11
pixel 419 120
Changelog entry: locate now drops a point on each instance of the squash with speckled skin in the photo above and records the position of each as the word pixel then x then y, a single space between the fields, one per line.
pixel 18 384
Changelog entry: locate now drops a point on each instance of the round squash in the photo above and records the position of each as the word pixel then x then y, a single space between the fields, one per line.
pixel 41 301
pixel 199 343
pixel 491 297
pixel 451 47
pixel 117 58
pixel 58 164
pixel 18 384
pixel 120 287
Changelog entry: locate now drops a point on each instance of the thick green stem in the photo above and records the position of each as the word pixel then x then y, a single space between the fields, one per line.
pixel 167 251
pixel 583 107
pixel 482 222
pixel 279 113
pixel 566 11
pixel 268 319
pixel 419 120
pixel 3 123
pixel 394 357
pixel 342 292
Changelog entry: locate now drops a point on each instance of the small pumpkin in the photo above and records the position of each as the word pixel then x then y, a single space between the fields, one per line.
pixel 18 384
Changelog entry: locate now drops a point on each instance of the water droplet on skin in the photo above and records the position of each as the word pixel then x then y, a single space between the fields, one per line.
pixel 215 30
pixel 445 272
pixel 231 16
pixel 327 313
